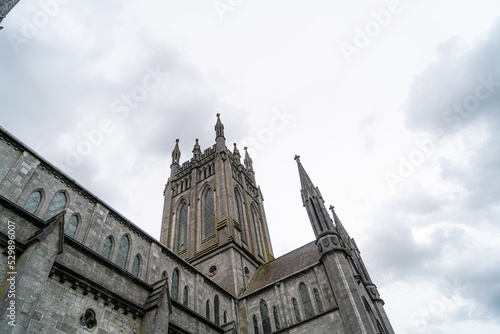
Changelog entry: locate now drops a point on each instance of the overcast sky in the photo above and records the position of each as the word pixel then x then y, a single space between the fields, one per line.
pixel 393 107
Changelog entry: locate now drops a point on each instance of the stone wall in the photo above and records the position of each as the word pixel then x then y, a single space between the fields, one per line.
pixel 61 308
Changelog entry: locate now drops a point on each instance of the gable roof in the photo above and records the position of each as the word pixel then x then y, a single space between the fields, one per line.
pixel 284 266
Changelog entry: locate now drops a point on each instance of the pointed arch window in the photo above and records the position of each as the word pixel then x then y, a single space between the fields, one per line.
pixel 121 258
pixel 216 310
pixel 239 212
pixel 57 205
pixel 33 202
pixel 185 297
pixel 207 310
pixel 175 285
pixel 225 317
pixel 276 318
pixel 264 317
pixel 136 265
pixel 209 211
pixel 183 217
pixel 70 229
pixel 255 221
pixel 319 304
pixel 255 324
pixel 106 249
pixel 306 301
pixel 296 310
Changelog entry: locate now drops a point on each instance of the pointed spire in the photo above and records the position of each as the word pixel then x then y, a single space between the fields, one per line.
pixel 219 128
pixel 340 227
pixel 220 140
pixel 176 153
pixel 236 154
pixel 196 150
pixel 314 203
pixel 248 161
pixel 305 180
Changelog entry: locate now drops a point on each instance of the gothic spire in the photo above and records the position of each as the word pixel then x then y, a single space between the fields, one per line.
pixel 176 153
pixel 196 150
pixel 220 140
pixel 219 128
pixel 314 203
pixel 248 161
pixel 249 165
pixel 340 227
pixel 236 154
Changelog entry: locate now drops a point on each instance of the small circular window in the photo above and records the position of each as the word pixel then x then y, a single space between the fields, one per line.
pixel 247 271
pixel 213 270
pixel 88 319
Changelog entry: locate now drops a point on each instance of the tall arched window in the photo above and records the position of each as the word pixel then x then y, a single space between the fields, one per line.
pixel 225 317
pixel 57 205
pixel 296 310
pixel 121 258
pixel 33 202
pixel 216 310
pixel 106 249
pixel 70 229
pixel 185 297
pixel 276 318
pixel 239 212
pixel 255 221
pixel 207 310
pixel 136 265
pixel 264 317
pixel 209 212
pixel 319 304
pixel 306 301
pixel 183 215
pixel 175 285
pixel 255 324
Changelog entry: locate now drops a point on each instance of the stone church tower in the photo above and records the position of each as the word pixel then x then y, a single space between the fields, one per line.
pixel 213 214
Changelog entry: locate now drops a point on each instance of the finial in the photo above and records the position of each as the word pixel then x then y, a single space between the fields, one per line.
pixel 196 150
pixel 248 160
pixel 236 155
pixel 332 208
pixel 176 153
pixel 219 128
pixel 297 158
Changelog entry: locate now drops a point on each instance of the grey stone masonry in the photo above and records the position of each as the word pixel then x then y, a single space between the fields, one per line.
pixel 30 274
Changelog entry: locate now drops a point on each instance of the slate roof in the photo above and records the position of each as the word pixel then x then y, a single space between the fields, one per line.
pixel 284 266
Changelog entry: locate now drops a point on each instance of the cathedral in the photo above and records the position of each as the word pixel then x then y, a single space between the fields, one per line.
pixel 70 263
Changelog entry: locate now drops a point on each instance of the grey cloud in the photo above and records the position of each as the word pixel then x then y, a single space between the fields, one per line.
pixel 453 80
